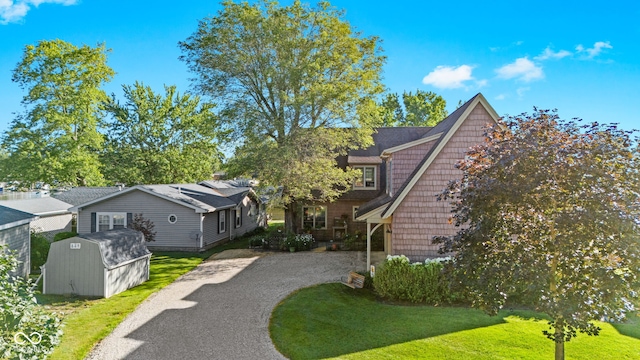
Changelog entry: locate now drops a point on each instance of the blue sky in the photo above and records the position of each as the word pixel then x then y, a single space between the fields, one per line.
pixel 581 57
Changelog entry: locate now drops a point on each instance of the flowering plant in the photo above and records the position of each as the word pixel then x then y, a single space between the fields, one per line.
pixel 297 241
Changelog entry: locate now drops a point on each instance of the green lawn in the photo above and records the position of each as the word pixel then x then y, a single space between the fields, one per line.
pixel 336 322
pixel 87 321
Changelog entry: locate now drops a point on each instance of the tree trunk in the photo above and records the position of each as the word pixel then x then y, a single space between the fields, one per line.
pixel 559 339
pixel 291 217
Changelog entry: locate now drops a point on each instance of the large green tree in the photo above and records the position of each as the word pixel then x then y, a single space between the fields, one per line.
pixel 156 139
pixel 549 212
pixel 289 80
pixel 56 138
pixel 424 108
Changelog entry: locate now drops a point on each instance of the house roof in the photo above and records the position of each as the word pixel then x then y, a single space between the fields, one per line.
pixel 11 218
pixel 373 204
pixel 118 247
pixel 446 128
pixel 201 198
pixel 80 195
pixel 46 206
pixel 388 137
pixel 227 187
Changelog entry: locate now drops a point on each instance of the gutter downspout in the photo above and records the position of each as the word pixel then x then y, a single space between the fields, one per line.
pixel 201 231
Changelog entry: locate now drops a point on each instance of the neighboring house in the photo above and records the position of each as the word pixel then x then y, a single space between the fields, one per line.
pixel 187 217
pixel 54 215
pixel 402 174
pixel 15 235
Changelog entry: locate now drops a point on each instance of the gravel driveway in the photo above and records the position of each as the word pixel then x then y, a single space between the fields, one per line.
pixel 221 309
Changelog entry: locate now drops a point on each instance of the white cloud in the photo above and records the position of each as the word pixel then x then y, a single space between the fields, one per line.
pixel 595 50
pixel 550 54
pixel 522 69
pixel 521 91
pixel 14 11
pixel 482 83
pixel 448 77
pixel 501 97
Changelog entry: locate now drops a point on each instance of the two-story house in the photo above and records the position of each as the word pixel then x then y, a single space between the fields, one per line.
pixel 402 174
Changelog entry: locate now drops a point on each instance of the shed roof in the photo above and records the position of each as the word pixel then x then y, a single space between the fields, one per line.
pixel 118 247
pixel 11 218
pixel 45 206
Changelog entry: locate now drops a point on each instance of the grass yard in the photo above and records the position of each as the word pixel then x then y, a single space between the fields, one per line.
pixel 87 321
pixel 331 321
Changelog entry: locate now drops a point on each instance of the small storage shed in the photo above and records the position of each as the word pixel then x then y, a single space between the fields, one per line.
pixel 97 264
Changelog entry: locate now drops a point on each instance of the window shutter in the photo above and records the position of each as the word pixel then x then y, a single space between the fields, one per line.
pixel 129 219
pixel 93 222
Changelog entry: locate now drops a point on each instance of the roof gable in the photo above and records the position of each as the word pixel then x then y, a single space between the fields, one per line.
pixel 448 128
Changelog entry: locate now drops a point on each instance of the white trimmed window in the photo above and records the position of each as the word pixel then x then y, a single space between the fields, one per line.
pixel 367 178
pixel 314 217
pixel 108 221
pixel 222 221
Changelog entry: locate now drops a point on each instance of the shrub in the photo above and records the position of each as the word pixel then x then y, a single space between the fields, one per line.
pixel 398 279
pixel 64 235
pixel 27 331
pixel 297 241
pixel 39 250
pixel 274 240
pixel 145 226
pixel 257 241
pixel 355 241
